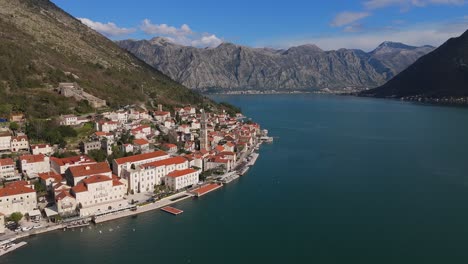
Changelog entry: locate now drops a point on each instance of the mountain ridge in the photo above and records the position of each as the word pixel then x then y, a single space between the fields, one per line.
pixel 442 73
pixel 235 67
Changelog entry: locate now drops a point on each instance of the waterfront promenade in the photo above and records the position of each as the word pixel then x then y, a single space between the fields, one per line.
pixel 147 207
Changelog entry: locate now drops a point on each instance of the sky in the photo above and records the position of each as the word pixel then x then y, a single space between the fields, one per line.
pixel 332 24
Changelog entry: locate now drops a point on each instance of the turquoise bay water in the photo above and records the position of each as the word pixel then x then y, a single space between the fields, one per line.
pixel 348 180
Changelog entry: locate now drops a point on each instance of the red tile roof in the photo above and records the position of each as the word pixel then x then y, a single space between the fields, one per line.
pixel 6 162
pixel 32 158
pixel 62 195
pixel 141 157
pixel 19 138
pixel 166 162
pixel 169 146
pixel 90 169
pixel 162 113
pixel 79 188
pixel 71 160
pixel 16 188
pixel 47 175
pixel 140 142
pixel 180 173
pixel 219 148
pixel 97 179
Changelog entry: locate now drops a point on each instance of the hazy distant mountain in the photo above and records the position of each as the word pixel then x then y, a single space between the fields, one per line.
pixel 442 73
pixel 231 66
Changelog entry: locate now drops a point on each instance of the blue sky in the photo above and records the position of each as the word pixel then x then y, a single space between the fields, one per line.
pixel 329 24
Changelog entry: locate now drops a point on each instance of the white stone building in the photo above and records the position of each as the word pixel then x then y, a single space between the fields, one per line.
pixel 7 168
pixel 19 143
pixel 180 179
pixel 45 149
pixel 144 177
pixel 118 165
pixel 66 203
pixel 68 120
pixel 32 165
pixel 76 174
pixel 60 165
pixel 98 194
pixel 18 196
pixel 5 141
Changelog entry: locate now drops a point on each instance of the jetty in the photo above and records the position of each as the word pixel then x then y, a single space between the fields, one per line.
pixel 228 177
pixel 10 247
pixel 172 210
pixel 206 189
pixel 254 158
pixel 145 208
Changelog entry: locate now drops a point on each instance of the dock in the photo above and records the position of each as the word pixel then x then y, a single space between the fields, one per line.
pixel 244 170
pixel 254 157
pixel 12 248
pixel 172 210
pixel 228 177
pixel 206 189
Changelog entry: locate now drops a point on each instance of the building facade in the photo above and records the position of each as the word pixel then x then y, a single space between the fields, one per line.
pixel 32 165
pixel 98 194
pixel 18 196
pixel 143 178
pixel 180 179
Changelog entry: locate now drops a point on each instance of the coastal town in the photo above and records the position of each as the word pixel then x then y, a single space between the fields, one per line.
pixel 129 161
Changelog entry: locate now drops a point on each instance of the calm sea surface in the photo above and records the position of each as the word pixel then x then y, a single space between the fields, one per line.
pixel 347 180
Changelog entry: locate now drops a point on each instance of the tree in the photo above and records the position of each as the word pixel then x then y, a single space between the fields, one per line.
pixel 15 217
pixel 14 126
pixel 39 187
pixel 98 155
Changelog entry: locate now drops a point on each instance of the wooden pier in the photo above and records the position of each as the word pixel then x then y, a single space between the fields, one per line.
pixel 172 210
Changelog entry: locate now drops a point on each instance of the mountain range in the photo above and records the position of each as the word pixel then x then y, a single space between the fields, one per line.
pixel 441 74
pixel 234 67
pixel 41 45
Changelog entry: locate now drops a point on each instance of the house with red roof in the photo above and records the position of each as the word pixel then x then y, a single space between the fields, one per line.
pixel 99 194
pixel 170 148
pixel 161 115
pixel 218 162
pixel 48 179
pixel 127 162
pixel 180 179
pixel 45 149
pixel 76 174
pixel 143 178
pixel 19 143
pixel 32 165
pixel 141 145
pixel 66 203
pixel 60 165
pixel 18 196
pixel 106 126
pixel 7 168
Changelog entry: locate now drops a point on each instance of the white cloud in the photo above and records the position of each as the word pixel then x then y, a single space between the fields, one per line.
pixel 346 18
pixel 183 35
pixel 406 4
pixel 207 41
pixel 164 29
pixel 424 34
pixel 108 29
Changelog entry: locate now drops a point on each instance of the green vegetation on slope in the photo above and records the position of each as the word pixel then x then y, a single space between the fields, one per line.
pixel 41 45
